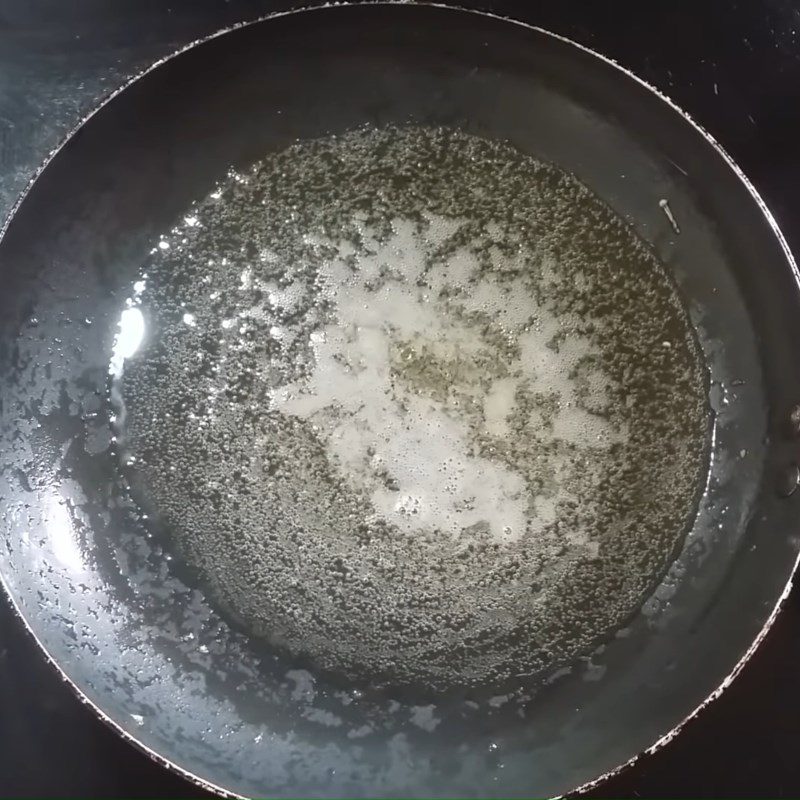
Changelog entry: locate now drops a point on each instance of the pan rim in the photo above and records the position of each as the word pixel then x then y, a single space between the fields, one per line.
pixel 101 103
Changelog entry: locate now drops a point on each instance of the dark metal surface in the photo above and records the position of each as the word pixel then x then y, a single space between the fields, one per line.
pixel 112 66
pixel 743 745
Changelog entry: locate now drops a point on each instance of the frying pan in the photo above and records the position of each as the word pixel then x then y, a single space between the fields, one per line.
pixel 146 648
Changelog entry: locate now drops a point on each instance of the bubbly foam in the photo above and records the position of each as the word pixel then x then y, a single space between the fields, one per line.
pixel 403 421
pixel 418 453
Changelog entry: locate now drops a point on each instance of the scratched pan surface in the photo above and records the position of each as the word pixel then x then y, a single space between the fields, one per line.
pixel 142 644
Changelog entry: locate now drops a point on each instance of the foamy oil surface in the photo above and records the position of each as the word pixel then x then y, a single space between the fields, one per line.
pixel 415 405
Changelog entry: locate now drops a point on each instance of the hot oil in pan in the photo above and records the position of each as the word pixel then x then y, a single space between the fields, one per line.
pixel 416 407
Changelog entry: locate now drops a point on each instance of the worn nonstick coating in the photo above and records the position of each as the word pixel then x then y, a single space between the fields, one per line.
pixel 148 651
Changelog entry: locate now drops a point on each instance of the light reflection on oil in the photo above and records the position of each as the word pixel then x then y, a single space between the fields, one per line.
pixel 62 534
pixel 128 340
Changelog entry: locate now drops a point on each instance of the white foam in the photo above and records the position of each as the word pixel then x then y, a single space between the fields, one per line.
pixel 552 370
pixel 416 454
pixel 498 404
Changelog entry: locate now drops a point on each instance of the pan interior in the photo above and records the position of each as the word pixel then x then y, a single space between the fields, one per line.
pixel 319 141
pixel 403 420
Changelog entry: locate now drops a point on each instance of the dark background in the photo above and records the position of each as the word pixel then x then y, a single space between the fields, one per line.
pixel 734 66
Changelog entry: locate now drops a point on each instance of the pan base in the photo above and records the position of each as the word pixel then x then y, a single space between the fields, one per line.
pixel 403 420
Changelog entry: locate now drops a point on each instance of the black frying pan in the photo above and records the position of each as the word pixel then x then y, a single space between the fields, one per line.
pixel 104 602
